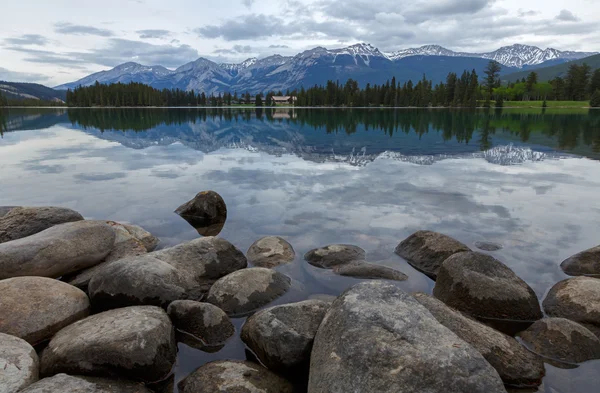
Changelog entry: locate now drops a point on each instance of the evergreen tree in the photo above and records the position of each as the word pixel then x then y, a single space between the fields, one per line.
pixel 492 71
pixel 499 101
pixel 595 100
pixel 595 82
pixel 258 101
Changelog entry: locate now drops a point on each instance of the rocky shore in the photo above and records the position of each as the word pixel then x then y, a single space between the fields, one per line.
pixel 98 306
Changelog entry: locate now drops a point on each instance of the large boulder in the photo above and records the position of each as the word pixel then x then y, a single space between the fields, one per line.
pixel 234 376
pixel 270 251
pixel 562 339
pixel 58 250
pixel 185 271
pixel 132 342
pixel 79 384
pixel 586 263
pixel 377 338
pixel 204 321
pixel 206 212
pixel 35 308
pixel 577 299
pixel 247 290
pixel 282 336
pixel 515 364
pixel 334 254
pixel 19 364
pixel 20 222
pixel 369 271
pixel 426 250
pixel 485 288
pixel 130 241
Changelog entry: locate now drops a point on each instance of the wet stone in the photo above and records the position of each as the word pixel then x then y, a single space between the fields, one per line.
pixel 270 251
pixel 206 212
pixel 333 255
pixel 204 321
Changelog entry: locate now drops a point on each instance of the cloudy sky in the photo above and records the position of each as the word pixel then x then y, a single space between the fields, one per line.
pixel 59 41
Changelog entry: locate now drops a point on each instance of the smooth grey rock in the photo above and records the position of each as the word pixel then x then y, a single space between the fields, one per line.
pixel 514 363
pixel 206 212
pixel 369 271
pixel 58 250
pixel 20 222
pixel 79 384
pixel 185 271
pixel 5 209
pixel 488 246
pixel 562 339
pixel 246 290
pixel 377 338
pixel 485 288
pixel 270 251
pixel 333 255
pixel 132 342
pixel 234 376
pixel 282 336
pixel 35 308
pixel 585 263
pixel 130 241
pixel 426 250
pixel 204 321
pixel 19 364
pixel 577 299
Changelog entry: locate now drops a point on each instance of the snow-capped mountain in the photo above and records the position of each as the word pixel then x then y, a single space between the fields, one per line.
pixel 516 55
pixel 362 62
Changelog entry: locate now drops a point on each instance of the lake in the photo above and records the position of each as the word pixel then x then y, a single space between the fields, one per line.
pixel 527 180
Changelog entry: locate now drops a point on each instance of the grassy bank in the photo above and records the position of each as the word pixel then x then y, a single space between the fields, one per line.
pixel 551 104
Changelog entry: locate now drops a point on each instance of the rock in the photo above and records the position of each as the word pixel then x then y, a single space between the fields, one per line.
pixel 577 299
pixel 426 250
pixel 282 336
pixel 79 384
pixel 333 255
pixel 57 251
pixel 19 364
pixel 207 213
pixel 234 376
pixel 203 320
pixel 562 339
pixel 5 209
pixel 377 338
pixel 130 241
pixel 270 251
pixel 485 288
pixel 185 271
pixel 514 363
pixel 246 290
pixel 488 246
pixel 132 342
pixel 20 222
pixel 369 271
pixel 586 263
pixel 35 308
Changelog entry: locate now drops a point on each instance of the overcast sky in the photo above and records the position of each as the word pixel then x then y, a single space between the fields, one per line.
pixel 59 41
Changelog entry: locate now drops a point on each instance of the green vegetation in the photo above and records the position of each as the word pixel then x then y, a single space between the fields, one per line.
pixel 595 101
pixel 561 70
pixel 549 104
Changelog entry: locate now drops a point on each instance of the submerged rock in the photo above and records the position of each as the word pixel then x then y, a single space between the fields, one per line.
pixel 204 321
pixel 333 255
pixel 377 338
pixel 246 290
pixel 562 339
pixel 132 342
pixel 35 308
pixel 485 288
pixel 282 336
pixel 488 246
pixel 514 363
pixel 185 271
pixel 78 384
pixel 369 271
pixel 426 250
pixel 234 376
pixel 58 250
pixel 19 364
pixel 586 263
pixel 207 213
pixel 270 251
pixel 20 222
pixel 577 299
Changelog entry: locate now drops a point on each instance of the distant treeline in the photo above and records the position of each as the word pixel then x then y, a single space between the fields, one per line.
pixel 468 90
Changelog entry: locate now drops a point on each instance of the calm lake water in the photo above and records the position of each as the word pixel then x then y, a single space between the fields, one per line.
pixel 525 179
